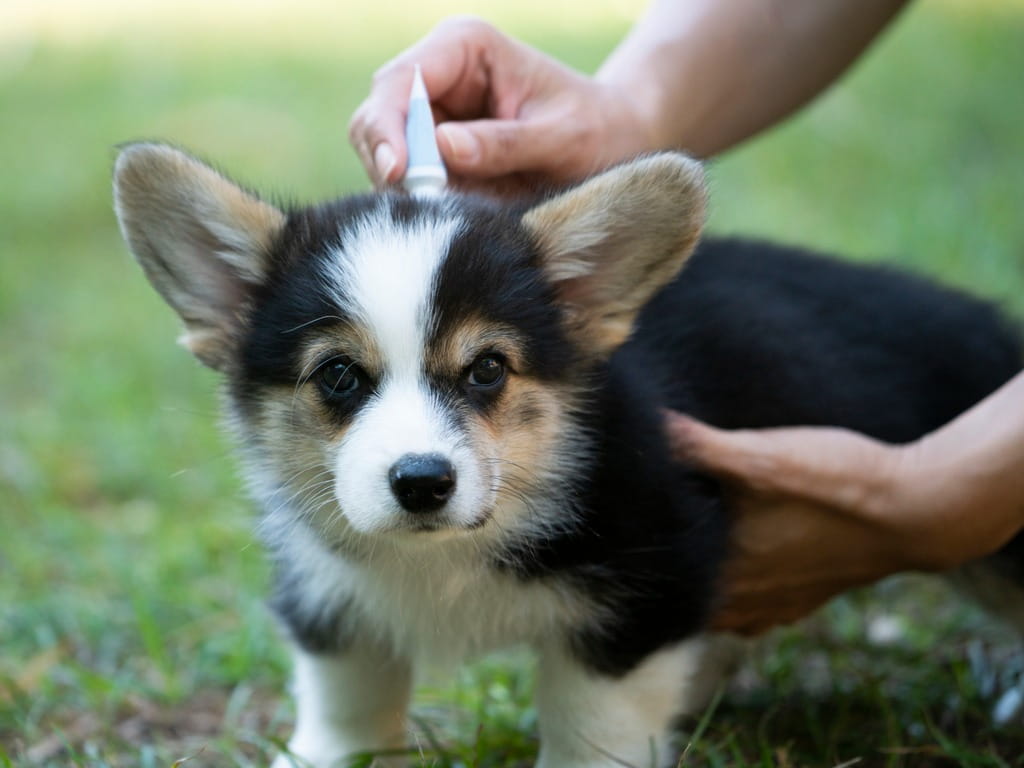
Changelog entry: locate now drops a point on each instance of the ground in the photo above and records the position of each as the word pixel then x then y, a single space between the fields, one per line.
pixel 131 599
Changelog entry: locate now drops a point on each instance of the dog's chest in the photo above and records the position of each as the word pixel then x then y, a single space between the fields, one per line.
pixel 450 604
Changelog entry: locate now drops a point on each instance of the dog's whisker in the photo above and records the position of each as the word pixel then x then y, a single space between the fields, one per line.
pixel 314 321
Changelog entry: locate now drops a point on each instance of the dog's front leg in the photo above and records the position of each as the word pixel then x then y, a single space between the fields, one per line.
pixel 593 720
pixel 347 702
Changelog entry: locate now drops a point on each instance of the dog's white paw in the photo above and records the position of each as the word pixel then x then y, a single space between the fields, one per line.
pixel 289 760
pixel 327 752
pixel 323 751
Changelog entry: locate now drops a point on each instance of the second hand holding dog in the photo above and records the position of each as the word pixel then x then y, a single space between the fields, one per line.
pixel 843 510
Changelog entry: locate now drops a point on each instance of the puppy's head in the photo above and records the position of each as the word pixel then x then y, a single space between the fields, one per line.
pixel 397 367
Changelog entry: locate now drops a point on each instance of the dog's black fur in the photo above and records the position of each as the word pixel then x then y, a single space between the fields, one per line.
pixel 756 335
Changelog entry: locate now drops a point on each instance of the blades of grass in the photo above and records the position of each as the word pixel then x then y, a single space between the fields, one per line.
pixel 435 743
pixel 704 722
pixel 965 756
pixel 152 635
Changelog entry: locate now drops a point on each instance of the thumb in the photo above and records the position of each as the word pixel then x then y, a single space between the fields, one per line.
pixel 487 148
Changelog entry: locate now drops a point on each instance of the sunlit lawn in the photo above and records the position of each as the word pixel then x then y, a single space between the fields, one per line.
pixel 132 628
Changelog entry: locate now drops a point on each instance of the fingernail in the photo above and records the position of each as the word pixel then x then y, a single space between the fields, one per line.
pixel 384 160
pixel 462 145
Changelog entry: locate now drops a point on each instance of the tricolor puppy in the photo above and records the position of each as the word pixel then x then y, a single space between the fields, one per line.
pixel 450 411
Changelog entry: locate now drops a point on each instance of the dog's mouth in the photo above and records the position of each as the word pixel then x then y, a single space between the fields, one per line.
pixel 442 524
pixel 426 526
pixel 425 532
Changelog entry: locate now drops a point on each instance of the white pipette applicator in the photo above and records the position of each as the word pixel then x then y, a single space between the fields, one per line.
pixel 425 175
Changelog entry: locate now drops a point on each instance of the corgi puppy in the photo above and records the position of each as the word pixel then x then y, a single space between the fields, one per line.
pixel 450 411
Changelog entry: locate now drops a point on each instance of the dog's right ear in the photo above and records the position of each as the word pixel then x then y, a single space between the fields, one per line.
pixel 610 243
pixel 203 241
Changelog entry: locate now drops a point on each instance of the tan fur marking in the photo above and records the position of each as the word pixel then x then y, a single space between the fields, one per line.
pixel 353 341
pixel 526 445
pixel 459 348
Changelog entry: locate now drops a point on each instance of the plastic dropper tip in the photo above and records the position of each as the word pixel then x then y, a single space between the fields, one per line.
pixel 419 88
pixel 425 174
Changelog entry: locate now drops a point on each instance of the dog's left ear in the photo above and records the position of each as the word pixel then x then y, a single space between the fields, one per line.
pixel 609 244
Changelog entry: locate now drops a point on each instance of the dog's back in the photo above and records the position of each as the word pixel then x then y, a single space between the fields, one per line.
pixel 757 335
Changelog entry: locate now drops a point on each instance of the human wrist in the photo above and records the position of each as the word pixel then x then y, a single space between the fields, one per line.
pixel 644 103
pixel 627 128
pixel 906 538
pixel 926 499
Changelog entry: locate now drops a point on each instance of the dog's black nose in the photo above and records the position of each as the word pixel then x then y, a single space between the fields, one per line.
pixel 422 482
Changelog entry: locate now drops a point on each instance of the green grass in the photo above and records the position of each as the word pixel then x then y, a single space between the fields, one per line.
pixel 132 626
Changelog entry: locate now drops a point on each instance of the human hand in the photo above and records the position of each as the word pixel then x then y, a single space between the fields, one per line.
pixel 803 532
pixel 508 115
pixel 822 510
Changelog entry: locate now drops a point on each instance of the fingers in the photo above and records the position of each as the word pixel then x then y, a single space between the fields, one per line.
pixel 749 618
pixel 490 148
pixel 692 440
pixel 741 455
pixel 379 140
pixel 451 59
pixel 830 466
pixel 377 129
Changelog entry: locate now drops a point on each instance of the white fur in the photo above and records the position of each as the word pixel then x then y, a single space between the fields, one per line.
pixel 434 602
pixel 589 720
pixel 384 272
pixel 346 704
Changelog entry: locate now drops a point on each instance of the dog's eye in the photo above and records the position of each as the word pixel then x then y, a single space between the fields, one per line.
pixel 340 377
pixel 486 371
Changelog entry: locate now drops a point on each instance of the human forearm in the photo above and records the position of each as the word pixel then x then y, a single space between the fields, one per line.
pixel 962 486
pixel 706 74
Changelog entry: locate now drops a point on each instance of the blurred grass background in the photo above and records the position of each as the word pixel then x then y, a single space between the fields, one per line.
pixel 132 629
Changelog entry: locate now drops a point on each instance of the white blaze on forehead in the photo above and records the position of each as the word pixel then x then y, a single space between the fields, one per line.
pixel 384 273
